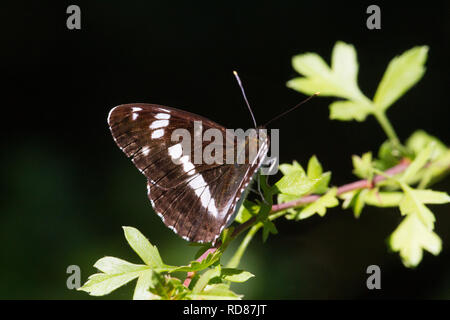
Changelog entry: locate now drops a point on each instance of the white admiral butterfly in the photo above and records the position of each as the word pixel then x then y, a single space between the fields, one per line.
pixel 195 200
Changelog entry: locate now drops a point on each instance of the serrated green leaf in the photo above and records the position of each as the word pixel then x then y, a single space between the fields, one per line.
pixel 411 237
pixel 431 197
pixel 310 64
pixel 339 81
pixel 219 291
pixel 117 272
pixel 349 110
pixel 314 170
pixel 140 244
pixel 402 73
pixel 100 284
pixel 112 265
pixel 320 206
pixel 295 183
pixel 362 166
pixel 411 204
pixel 236 275
pixel 322 185
pixel 287 168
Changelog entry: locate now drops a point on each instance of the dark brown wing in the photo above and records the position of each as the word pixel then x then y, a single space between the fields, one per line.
pixel 195 200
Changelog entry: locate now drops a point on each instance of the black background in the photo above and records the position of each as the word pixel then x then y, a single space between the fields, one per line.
pixel 67 189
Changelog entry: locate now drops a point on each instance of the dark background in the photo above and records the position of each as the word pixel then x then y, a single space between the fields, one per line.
pixel 67 189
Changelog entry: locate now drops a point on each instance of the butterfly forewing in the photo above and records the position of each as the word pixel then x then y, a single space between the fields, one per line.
pixel 194 200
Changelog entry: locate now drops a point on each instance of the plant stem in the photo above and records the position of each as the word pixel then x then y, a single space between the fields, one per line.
pixel 388 129
pixel 234 261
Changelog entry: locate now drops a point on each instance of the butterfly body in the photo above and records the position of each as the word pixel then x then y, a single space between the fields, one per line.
pixel 195 199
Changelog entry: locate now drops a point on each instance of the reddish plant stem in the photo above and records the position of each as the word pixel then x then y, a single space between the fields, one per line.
pixel 360 184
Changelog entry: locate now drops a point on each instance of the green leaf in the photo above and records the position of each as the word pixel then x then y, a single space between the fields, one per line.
pixel 287 168
pixel 420 140
pixel 436 171
pixel 388 156
pixel 198 266
pixel 344 62
pixel 363 165
pixel 295 183
pixel 402 73
pixel 236 275
pixel 226 235
pixel 349 198
pixel 411 237
pixel 246 211
pixel 340 81
pixel 148 253
pixel 159 286
pixel 412 204
pixel 310 65
pixel 431 197
pixel 268 227
pixel 219 291
pixel 418 163
pixel 117 272
pixel 322 185
pixel 383 199
pixel 360 201
pixel 319 206
pixel 349 110
pixel 205 278
pixel 314 170
pixel 112 265
pixel 145 281
pixel 100 284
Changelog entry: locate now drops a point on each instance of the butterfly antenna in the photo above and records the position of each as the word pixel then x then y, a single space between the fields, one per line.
pixel 293 108
pixel 245 97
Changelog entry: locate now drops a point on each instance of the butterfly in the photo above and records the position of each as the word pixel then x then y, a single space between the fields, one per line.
pixel 196 200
